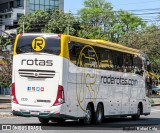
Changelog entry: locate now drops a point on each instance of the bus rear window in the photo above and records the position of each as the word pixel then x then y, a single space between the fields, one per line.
pixel 25 45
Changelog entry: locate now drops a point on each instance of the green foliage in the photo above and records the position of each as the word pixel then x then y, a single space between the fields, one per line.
pixel 148 41
pixel 111 25
pixel 123 23
pixel 93 18
pixel 52 21
pixel 4 41
pixel 59 22
pixel 33 22
pixel 6 71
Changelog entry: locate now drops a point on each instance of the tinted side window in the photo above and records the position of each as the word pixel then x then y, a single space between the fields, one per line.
pixel 102 58
pixel 74 51
pixel 83 55
pixel 137 63
pixel 128 62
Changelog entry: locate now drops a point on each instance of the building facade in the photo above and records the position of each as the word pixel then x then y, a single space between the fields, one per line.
pixel 12 10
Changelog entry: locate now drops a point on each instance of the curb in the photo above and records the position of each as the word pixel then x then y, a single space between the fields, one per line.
pixel 5 107
pixel 155 105
pixel 6 114
pixel 5 100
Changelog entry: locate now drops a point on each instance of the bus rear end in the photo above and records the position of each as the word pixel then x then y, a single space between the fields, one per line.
pixel 36 86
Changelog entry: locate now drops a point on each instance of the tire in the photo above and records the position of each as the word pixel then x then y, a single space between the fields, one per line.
pixel 137 116
pixel 43 120
pixel 88 119
pixel 99 115
pixel 58 120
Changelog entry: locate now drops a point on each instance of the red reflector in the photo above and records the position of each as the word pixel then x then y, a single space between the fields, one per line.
pixel 14 99
pixel 20 34
pixel 14 111
pixel 57 114
pixel 59 35
pixel 60 96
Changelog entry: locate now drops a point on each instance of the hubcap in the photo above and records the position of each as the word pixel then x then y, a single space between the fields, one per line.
pixel 99 114
pixel 138 111
pixel 88 115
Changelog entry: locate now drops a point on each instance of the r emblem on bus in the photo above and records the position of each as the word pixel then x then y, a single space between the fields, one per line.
pixel 36 74
pixel 38 44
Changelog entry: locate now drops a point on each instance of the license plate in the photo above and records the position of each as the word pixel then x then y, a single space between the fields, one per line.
pixel 34 113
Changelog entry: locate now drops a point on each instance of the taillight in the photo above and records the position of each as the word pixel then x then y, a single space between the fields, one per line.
pixel 60 96
pixel 14 99
pixel 59 35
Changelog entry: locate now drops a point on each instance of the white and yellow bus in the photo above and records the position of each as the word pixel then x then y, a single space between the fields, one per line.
pixel 60 77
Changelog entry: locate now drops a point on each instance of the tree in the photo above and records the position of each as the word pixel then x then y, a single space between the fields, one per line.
pixel 61 22
pixel 124 22
pixel 51 21
pixel 6 70
pixel 93 17
pixel 98 20
pixel 33 22
pixel 148 41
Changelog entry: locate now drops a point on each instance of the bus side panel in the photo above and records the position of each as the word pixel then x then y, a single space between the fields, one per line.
pixel 63 82
pixel 71 94
pixel 146 106
pixel 118 99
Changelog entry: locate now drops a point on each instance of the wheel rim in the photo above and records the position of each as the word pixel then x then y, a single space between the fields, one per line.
pixel 99 114
pixel 88 115
pixel 138 112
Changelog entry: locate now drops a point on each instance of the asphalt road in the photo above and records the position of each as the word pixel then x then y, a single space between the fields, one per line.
pixel 146 123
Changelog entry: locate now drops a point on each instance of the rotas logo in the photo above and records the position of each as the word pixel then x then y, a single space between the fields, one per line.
pixel 86 79
pixel 38 44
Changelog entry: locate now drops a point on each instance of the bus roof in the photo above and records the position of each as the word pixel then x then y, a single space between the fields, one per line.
pixel 94 42
pixel 38 34
pixel 106 44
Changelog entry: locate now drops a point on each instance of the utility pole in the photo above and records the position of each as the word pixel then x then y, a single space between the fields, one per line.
pixel 25 7
pixel 23 27
pixel 68 29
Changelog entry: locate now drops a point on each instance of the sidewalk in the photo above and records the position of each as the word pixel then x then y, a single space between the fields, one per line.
pixel 5 99
pixel 155 101
pixel 5 106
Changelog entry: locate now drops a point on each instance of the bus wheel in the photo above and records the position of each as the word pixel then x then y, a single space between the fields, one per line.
pixel 43 120
pixel 88 115
pixel 58 120
pixel 137 116
pixel 99 115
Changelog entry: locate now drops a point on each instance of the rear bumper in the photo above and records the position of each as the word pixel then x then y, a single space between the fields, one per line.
pixel 32 111
pixel 41 115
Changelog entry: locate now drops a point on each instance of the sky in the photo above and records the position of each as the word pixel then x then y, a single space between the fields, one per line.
pixel 137 5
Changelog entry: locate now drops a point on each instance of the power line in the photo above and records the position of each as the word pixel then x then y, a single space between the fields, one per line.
pixel 137 14
pixel 145 2
pixel 134 10
pixel 146 9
